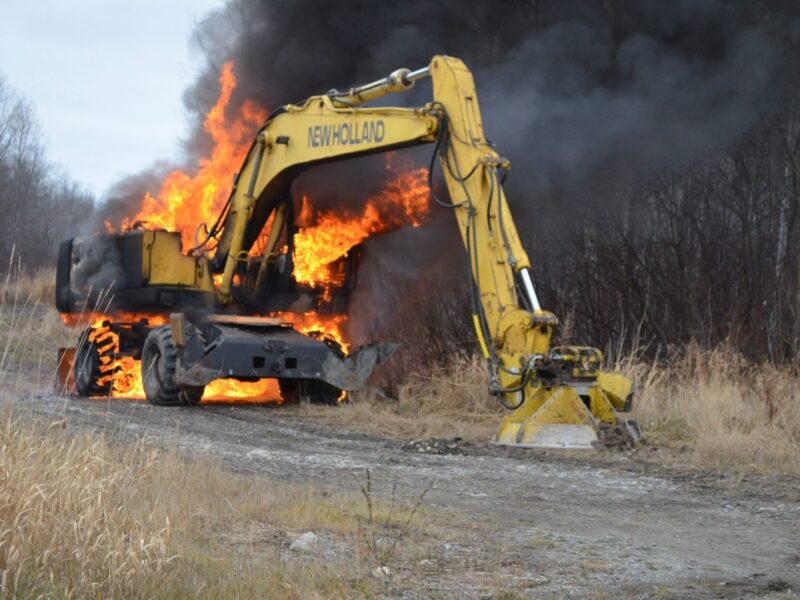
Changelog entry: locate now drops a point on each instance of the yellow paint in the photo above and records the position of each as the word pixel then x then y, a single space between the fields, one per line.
pixel 163 263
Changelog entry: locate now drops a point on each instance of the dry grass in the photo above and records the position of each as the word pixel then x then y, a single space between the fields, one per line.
pixel 718 409
pixel 725 411
pixel 30 334
pixel 68 524
pixel 23 287
pixel 81 517
pixel 451 402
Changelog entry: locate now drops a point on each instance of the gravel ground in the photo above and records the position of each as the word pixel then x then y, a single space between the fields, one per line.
pixel 530 524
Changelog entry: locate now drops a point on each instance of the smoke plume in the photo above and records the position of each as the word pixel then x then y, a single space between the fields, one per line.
pixel 581 95
pixel 98 271
pixel 578 94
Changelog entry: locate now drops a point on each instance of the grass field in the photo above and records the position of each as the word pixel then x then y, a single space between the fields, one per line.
pixel 83 517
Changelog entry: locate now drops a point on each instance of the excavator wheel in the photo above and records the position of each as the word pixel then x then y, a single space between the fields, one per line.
pixel 159 361
pixel 308 390
pixel 90 381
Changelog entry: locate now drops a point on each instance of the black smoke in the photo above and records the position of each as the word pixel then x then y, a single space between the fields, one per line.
pixel 583 96
pixel 97 273
pixel 579 94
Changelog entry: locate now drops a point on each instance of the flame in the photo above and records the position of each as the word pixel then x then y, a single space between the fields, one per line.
pixel 96 319
pixel 127 378
pixel 320 247
pixel 122 372
pixel 185 201
pixel 318 325
pixel 181 204
pixel 404 201
pixel 222 390
pixel 115 370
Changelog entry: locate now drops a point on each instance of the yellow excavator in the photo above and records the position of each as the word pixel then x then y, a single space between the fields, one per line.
pixel 558 396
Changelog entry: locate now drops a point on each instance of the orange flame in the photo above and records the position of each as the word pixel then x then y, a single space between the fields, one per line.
pixel 184 201
pixel 404 201
pixel 124 373
pixel 318 325
pixel 127 378
pixel 115 370
pixel 96 319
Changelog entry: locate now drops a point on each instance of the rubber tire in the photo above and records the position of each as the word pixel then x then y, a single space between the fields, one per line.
pixel 86 370
pixel 308 390
pixel 159 362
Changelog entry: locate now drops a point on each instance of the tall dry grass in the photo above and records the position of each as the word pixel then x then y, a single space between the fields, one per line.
pixel 38 287
pixel 82 516
pixel 69 524
pixel 714 406
pixel 726 411
pixel 21 286
pixel 31 330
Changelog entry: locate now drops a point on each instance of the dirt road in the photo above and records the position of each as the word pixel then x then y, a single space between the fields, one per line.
pixel 543 524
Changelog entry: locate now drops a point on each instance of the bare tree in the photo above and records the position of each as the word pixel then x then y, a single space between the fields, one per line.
pixel 40 204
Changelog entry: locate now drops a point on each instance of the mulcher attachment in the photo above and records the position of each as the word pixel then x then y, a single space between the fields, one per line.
pixel 570 411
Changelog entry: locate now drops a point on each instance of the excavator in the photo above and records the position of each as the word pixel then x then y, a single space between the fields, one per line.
pixel 215 295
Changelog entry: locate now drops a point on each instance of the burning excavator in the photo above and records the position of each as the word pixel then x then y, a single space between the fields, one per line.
pixel 257 297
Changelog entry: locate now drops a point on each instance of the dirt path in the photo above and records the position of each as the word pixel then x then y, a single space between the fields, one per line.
pixel 542 524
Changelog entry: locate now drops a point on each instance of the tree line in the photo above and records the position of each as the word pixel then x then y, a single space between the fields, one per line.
pixel 710 255
pixel 40 204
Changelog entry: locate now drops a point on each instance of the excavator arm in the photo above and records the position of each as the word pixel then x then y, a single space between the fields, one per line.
pixel 560 396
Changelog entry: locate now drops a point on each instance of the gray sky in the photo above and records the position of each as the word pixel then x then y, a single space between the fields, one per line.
pixel 106 78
